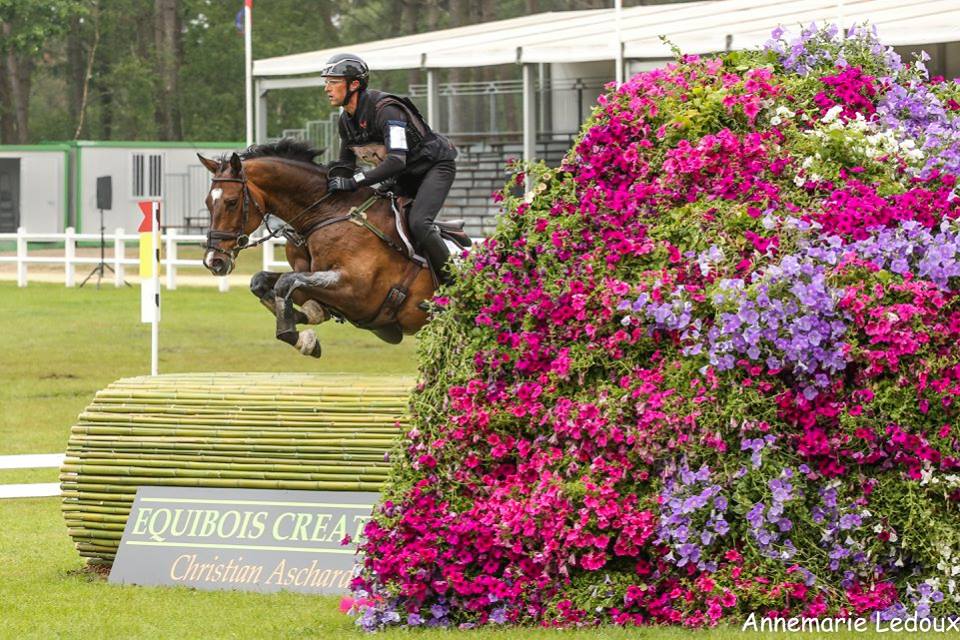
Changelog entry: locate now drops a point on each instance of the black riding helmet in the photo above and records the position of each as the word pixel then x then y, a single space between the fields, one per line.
pixel 348 66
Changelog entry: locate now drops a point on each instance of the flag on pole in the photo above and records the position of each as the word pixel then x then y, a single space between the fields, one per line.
pixel 150 276
pixel 149 307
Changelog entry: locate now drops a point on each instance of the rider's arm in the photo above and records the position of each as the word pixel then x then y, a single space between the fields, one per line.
pixel 393 123
pixel 347 157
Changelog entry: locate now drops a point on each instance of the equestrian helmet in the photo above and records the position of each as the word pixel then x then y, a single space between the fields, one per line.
pixel 348 66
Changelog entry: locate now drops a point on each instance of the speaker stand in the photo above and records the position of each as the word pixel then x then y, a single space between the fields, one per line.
pixel 99 269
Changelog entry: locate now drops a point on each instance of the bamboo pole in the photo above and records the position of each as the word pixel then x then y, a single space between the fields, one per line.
pixel 316 432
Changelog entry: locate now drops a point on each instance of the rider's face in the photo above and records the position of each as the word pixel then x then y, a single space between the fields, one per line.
pixel 336 89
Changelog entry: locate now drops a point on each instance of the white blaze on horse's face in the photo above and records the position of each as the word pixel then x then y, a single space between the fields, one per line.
pixel 216 194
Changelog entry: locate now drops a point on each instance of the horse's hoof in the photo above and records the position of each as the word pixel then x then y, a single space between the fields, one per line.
pixel 308 344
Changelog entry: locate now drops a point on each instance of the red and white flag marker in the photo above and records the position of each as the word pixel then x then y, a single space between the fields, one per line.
pixel 150 277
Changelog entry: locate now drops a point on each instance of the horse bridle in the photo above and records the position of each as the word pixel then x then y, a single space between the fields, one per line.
pixel 241 237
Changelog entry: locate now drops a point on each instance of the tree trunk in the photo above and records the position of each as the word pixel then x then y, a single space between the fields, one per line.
pixel 104 93
pixel 169 57
pixel 75 70
pixel 17 71
pixel 88 71
pixel 330 33
pixel 7 129
pixel 433 14
pixel 533 6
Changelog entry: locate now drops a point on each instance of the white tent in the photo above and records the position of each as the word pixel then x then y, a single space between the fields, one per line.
pixel 583 36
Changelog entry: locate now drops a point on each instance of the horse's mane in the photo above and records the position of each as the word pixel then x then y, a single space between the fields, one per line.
pixel 286 148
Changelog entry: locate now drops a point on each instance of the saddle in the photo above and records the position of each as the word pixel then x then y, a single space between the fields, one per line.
pixel 400 207
pixel 451 230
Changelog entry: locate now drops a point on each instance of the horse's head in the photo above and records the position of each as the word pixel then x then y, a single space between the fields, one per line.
pixel 234 214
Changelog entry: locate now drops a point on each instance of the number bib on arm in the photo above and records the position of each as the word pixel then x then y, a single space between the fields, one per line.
pixel 396 137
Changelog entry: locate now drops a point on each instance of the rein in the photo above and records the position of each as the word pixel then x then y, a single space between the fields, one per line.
pixel 356 215
pixel 242 238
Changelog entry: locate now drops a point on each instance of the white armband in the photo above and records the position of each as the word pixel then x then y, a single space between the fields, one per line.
pixel 397 136
pixel 358 177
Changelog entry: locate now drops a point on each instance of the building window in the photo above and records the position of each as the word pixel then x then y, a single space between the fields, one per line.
pixel 146 175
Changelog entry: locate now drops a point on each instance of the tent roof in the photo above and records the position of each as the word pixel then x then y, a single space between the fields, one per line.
pixel 584 36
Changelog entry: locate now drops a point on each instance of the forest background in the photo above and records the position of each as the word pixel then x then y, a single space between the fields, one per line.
pixel 173 69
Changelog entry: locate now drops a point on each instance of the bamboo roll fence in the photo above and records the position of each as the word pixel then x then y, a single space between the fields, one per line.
pixel 234 430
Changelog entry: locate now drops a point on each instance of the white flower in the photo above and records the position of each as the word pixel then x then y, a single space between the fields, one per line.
pixel 783 111
pixel 832 113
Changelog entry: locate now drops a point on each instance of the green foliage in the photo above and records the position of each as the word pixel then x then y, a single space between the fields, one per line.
pixel 33 23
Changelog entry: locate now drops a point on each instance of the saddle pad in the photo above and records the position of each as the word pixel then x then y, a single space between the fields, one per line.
pixel 398 205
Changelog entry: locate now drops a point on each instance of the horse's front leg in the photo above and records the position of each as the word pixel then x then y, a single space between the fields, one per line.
pixel 262 285
pixel 285 290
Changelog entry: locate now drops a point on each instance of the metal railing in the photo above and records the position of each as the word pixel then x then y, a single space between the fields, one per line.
pixel 492 108
pixel 117 258
pixel 322 134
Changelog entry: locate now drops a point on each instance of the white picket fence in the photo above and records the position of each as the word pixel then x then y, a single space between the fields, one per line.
pixel 117 258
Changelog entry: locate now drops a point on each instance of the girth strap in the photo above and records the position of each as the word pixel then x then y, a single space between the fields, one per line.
pixel 395 298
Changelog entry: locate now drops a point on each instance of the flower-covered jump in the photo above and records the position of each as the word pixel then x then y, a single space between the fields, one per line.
pixel 707 367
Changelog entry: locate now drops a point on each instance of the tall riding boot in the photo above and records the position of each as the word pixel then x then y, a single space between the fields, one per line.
pixel 438 254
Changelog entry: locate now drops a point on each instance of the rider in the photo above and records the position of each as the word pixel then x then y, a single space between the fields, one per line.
pixel 388 132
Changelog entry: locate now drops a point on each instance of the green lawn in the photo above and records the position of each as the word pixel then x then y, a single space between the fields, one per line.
pixel 59 346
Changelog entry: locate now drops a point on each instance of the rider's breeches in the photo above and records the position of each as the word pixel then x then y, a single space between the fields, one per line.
pixel 429 199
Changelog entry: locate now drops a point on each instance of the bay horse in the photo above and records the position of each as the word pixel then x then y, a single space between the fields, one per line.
pixel 350 258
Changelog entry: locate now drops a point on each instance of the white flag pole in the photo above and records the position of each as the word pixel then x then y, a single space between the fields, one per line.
pixel 155 323
pixel 248 64
pixel 617 8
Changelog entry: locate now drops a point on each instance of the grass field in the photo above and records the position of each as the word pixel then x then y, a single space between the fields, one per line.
pixel 59 346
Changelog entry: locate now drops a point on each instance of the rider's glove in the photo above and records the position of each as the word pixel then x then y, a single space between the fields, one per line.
pixel 341 183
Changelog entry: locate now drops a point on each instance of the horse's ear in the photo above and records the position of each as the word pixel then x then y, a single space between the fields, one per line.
pixel 235 164
pixel 212 165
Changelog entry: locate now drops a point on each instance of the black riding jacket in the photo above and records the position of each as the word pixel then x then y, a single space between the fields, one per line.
pixel 389 132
